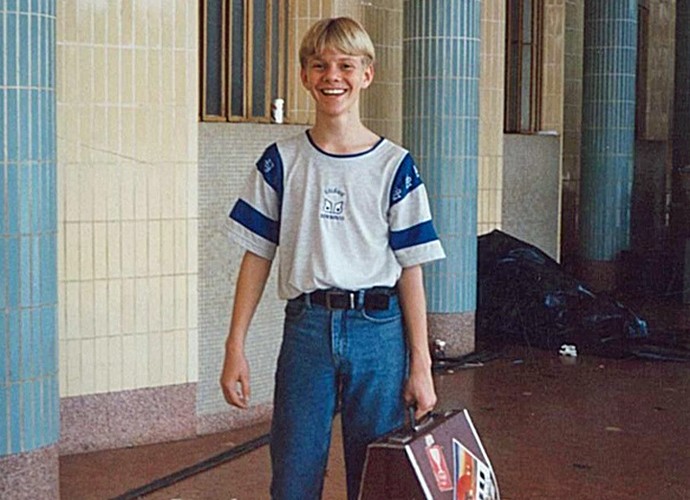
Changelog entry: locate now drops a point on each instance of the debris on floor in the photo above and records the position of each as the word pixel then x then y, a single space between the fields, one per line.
pixel 525 297
pixel 472 360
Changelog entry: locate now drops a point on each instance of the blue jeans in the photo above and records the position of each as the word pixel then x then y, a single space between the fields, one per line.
pixel 353 360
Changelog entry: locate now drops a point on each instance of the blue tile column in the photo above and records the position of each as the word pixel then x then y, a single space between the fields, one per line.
pixel 680 214
pixel 608 136
pixel 29 397
pixel 441 129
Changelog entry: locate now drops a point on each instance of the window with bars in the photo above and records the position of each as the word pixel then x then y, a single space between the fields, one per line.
pixel 524 42
pixel 243 58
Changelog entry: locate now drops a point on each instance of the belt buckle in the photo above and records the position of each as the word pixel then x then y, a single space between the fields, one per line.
pixel 337 293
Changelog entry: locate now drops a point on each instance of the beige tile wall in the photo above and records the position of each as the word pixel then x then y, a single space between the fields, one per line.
pixel 572 127
pixel 382 102
pixel 491 95
pixel 127 104
pixel 660 69
pixel 553 86
pixel 553 66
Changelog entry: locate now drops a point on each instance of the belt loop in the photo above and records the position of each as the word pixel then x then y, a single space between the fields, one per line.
pixel 360 299
pixel 307 300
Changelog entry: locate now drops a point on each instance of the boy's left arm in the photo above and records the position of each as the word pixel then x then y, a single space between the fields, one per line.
pixel 419 390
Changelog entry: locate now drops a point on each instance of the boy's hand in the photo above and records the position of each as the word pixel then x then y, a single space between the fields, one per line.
pixel 420 392
pixel 235 378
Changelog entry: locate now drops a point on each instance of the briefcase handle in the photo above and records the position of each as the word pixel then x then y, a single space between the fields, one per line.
pixel 423 423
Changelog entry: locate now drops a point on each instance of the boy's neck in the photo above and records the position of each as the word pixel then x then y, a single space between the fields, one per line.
pixel 342 137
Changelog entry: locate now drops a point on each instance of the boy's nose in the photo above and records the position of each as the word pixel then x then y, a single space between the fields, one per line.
pixel 332 73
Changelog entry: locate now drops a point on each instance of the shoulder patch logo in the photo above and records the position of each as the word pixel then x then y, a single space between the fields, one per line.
pixel 406 180
pixel 333 204
pixel 267 165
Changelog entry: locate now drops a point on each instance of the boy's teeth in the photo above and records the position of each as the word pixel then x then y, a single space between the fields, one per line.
pixel 333 91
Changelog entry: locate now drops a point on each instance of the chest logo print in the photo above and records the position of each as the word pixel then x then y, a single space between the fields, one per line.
pixel 332 207
pixel 333 204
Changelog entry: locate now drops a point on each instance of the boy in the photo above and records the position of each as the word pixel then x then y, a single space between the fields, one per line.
pixel 352 218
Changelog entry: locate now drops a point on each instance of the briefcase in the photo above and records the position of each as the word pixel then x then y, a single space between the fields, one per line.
pixel 439 458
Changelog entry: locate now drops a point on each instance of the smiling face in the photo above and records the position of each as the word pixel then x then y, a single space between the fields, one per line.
pixel 335 80
pixel 336 57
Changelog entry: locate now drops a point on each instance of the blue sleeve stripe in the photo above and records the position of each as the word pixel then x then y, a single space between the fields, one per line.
pixel 270 165
pixel 255 221
pixel 415 235
pixel 406 180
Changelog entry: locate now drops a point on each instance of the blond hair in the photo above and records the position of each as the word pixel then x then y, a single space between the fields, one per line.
pixel 343 34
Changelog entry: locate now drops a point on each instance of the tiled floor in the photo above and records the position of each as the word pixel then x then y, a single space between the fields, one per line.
pixel 598 428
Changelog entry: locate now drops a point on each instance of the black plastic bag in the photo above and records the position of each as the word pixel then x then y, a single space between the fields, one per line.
pixel 524 296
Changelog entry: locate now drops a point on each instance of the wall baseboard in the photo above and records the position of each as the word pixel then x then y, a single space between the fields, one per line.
pixel 144 416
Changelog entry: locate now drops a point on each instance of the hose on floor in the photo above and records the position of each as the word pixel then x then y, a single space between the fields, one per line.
pixel 204 465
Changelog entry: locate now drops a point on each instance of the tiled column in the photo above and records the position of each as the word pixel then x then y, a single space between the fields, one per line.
pixel 681 126
pixel 29 419
pixel 608 136
pixel 441 128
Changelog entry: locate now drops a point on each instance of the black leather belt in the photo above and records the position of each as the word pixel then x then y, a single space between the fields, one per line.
pixel 375 299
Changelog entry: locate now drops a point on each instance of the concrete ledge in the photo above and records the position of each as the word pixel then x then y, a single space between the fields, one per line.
pixel 31 475
pixel 127 418
pixel 457 330
pixel 234 419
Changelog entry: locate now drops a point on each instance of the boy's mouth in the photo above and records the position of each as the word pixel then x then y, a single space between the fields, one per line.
pixel 333 91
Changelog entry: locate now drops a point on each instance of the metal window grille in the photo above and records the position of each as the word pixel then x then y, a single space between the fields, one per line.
pixel 243 58
pixel 524 46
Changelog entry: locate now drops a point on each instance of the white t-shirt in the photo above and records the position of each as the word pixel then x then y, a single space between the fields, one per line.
pixel 339 221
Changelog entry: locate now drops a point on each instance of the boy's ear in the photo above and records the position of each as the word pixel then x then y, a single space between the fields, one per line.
pixel 303 77
pixel 368 75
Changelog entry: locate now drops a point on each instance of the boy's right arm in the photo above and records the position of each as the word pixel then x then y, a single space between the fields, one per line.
pixel 251 282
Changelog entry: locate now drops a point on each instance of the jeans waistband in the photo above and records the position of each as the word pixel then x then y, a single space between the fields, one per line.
pixel 377 299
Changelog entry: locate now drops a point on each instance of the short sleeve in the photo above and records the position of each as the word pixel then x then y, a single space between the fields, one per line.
pixel 254 221
pixel 412 235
